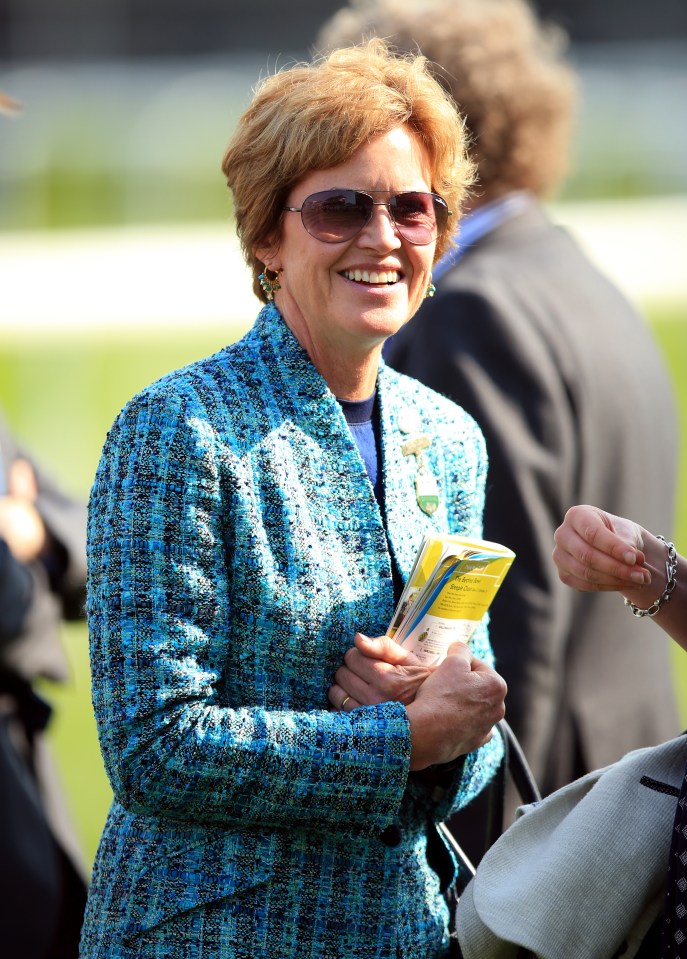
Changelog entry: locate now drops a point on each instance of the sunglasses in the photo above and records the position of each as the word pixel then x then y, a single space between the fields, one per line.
pixel 334 216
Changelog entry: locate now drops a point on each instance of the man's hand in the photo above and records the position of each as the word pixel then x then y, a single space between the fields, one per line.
pixel 455 709
pixel 20 523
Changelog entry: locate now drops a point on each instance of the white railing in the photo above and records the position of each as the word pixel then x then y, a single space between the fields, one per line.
pixel 132 278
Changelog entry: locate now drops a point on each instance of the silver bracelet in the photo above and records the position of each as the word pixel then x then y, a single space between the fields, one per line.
pixel 671 582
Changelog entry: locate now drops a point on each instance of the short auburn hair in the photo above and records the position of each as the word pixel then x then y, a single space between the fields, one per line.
pixel 313 116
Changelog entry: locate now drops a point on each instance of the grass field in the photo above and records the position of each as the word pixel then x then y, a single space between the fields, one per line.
pixel 62 397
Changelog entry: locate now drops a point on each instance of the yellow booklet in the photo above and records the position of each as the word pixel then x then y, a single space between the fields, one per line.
pixel 451 586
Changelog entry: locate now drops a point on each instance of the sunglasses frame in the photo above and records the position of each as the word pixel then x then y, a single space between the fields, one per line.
pixel 370 194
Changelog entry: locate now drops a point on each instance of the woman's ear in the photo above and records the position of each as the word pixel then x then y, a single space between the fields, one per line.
pixel 268 253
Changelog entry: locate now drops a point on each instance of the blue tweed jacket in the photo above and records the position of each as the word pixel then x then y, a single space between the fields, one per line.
pixel 235 547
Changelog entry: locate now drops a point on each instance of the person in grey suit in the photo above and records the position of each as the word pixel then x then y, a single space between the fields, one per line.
pixel 598 870
pixel 15 594
pixel 42 581
pixel 560 372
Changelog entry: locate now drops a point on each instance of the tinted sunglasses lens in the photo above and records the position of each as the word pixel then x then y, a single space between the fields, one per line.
pixel 336 215
pixel 420 217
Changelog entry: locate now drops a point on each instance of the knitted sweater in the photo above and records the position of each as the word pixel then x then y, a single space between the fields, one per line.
pixel 235 547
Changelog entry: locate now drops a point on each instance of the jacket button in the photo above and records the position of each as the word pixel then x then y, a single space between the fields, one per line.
pixel 391 835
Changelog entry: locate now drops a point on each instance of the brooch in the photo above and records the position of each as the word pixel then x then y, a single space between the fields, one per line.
pixel 426 489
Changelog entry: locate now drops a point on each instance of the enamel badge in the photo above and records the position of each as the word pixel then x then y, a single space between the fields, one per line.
pixel 426 488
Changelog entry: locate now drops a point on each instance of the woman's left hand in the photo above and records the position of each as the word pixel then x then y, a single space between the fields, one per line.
pixel 376 671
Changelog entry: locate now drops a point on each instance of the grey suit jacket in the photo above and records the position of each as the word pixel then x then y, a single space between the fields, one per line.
pixel 581 874
pixel 576 406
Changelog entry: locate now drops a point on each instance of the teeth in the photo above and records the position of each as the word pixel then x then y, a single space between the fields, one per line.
pixel 371 276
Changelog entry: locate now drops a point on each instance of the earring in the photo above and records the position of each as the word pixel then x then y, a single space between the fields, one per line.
pixel 430 291
pixel 269 286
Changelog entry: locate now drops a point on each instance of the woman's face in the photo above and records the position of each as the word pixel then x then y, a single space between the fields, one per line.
pixel 332 313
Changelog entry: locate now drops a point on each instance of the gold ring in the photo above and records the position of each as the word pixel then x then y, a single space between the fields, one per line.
pixel 345 701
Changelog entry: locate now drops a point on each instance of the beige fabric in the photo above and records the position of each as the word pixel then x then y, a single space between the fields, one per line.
pixel 582 873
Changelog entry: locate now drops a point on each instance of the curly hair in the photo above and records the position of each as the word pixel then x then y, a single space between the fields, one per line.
pixel 505 70
pixel 313 116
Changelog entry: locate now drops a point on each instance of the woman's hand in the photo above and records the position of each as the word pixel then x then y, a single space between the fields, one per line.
pixel 598 551
pixel 376 671
pixel 451 707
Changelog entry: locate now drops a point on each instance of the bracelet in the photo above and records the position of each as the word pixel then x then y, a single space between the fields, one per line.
pixel 671 582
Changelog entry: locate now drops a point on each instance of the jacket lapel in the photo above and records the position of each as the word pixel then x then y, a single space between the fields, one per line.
pixel 407 523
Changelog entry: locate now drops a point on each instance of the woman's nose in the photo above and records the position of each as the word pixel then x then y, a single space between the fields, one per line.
pixel 381 229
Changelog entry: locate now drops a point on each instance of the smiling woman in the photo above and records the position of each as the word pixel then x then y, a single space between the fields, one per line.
pixel 398 139
pixel 343 291
pixel 253 517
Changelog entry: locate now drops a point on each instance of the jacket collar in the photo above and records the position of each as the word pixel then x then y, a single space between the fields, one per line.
pixel 303 396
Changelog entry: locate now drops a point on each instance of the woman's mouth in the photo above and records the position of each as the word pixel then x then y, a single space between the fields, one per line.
pixel 372 276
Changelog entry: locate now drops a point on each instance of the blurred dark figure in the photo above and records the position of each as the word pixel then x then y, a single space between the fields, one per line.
pixel 558 370
pixel 42 580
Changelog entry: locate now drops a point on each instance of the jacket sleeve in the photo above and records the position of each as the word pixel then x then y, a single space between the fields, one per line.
pixel 15 595
pixel 173 745
pixel 501 370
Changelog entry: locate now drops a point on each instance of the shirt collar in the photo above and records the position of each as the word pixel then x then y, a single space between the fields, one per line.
pixel 481 221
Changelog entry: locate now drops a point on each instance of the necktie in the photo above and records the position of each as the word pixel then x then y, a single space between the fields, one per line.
pixel 3 482
pixel 674 932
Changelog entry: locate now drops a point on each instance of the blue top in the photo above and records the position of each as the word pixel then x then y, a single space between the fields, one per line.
pixel 363 422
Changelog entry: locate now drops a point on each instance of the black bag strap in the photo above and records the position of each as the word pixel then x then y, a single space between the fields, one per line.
pixel 496 791
pixel 514 767
pixel 518 766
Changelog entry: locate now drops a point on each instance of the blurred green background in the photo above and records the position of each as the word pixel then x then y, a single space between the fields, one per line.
pixel 61 397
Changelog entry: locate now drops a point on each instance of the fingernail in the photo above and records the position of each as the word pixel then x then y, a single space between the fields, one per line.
pixel 641 576
pixel 630 557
